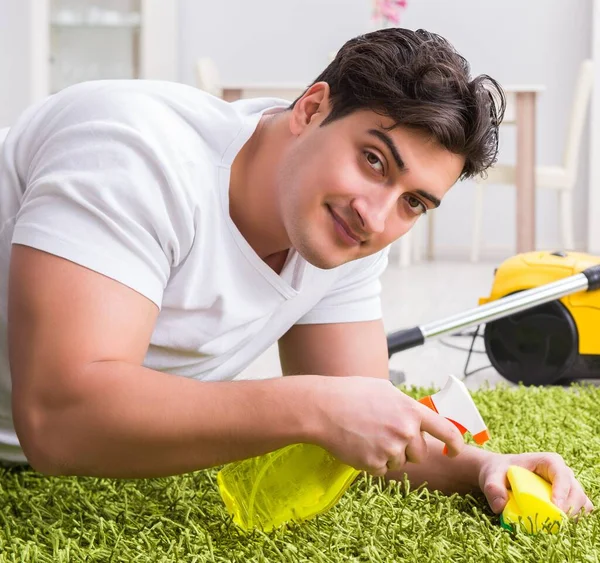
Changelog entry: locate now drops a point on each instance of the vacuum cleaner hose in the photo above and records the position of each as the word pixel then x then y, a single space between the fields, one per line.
pixel 404 339
pixel 587 280
pixel 593 276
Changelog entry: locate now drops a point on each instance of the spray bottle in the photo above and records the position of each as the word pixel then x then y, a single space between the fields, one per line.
pixel 297 482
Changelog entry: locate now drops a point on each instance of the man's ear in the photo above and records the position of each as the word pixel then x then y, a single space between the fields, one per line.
pixel 312 107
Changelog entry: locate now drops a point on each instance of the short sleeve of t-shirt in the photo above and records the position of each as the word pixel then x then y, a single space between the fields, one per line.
pixel 98 194
pixel 356 295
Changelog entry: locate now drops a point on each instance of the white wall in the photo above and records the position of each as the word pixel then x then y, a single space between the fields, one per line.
pixel 15 49
pixel 267 40
pixel 532 41
pixel 515 41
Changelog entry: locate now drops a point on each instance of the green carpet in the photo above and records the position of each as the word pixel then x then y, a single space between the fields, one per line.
pixel 182 519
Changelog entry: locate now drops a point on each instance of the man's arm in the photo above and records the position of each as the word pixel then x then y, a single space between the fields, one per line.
pixel 360 348
pixel 83 404
pixel 338 349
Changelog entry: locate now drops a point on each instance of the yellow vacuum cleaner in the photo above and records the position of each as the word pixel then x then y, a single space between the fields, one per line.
pixel 542 319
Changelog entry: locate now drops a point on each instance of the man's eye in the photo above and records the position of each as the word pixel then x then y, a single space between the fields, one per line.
pixel 416 205
pixel 374 161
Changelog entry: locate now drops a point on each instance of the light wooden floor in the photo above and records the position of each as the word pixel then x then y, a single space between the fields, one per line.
pixel 416 295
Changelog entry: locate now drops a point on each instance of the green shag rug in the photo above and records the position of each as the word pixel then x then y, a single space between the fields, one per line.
pixel 65 519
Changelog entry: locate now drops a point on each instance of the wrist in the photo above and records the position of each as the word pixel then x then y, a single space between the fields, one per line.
pixel 307 396
pixel 482 459
pixel 465 471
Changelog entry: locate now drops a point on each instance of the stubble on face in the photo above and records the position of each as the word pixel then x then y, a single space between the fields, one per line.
pixel 324 175
pixel 321 173
pixel 311 180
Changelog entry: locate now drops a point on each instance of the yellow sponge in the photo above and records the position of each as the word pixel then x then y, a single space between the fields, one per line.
pixel 530 500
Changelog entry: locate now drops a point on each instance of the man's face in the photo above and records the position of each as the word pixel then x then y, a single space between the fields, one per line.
pixel 350 188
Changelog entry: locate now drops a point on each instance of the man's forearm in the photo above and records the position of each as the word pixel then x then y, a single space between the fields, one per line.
pixel 449 475
pixel 135 422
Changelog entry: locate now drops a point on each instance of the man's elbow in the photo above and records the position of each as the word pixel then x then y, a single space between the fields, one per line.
pixel 41 445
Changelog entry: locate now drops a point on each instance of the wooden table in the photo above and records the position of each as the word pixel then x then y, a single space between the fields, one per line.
pixel 286 90
pixel 521 111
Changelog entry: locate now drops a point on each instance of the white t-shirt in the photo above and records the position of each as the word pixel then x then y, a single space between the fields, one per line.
pixel 131 179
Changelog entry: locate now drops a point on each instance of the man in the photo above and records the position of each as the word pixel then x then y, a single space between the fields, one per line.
pixel 155 240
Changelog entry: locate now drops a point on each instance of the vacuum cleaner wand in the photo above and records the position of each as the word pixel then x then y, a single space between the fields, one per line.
pixel 587 280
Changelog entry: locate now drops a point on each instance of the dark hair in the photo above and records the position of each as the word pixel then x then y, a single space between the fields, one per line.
pixel 419 80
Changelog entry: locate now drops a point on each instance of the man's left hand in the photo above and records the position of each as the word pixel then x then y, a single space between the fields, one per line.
pixel 567 492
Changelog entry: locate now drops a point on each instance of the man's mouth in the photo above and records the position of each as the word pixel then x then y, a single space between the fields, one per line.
pixel 343 229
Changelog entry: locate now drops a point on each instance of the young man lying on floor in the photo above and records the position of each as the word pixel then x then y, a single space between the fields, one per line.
pixel 155 240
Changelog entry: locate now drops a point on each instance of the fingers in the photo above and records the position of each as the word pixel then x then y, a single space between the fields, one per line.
pixel 496 495
pixel 562 481
pixel 396 461
pixel 567 492
pixel 495 489
pixel 442 429
pixel 379 472
pixel 416 450
pixel 577 501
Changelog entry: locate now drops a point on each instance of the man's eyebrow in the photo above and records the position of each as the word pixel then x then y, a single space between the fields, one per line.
pixel 436 202
pixel 385 138
pixel 390 145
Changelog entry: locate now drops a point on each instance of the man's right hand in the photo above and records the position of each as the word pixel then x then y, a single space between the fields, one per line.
pixel 371 425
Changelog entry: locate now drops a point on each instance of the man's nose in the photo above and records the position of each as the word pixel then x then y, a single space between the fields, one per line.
pixel 373 212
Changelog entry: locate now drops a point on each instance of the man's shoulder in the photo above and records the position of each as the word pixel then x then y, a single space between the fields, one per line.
pixel 169 122
pixel 168 114
pixel 148 105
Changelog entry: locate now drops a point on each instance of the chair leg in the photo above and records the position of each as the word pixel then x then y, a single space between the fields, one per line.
pixel 477 219
pixel 565 206
pixel 430 236
pixel 405 248
pixel 416 243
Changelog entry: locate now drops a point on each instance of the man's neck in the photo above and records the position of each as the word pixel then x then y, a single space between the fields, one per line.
pixel 253 198
pixel 276 261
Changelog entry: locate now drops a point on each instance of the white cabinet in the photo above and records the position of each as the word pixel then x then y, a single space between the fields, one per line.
pixel 79 40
